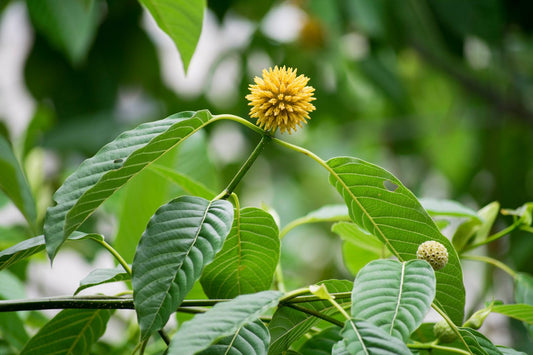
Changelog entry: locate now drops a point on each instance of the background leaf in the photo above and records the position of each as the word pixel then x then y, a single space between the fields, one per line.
pixel 180 239
pixel 252 338
pixel 181 20
pixel 523 292
pixel 69 26
pixel 321 343
pixel 28 247
pixel 288 324
pixel 361 337
pixel 381 205
pixel 102 276
pixel 394 296
pixel 224 319
pixel 71 331
pixel 248 259
pixel 11 323
pixel 522 312
pixel 450 208
pixel 14 184
pixel 99 177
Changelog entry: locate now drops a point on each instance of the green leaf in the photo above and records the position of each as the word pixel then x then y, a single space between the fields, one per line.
pixel 394 296
pixel 381 205
pixel 523 292
pixel 114 165
pixel 329 213
pixel 248 259
pixel 509 351
pixel 102 276
pixel 362 337
pixel 14 184
pixel 181 238
pixel 524 213
pixel 447 208
pixel 252 338
pixel 181 20
pixel 70 26
pixel 483 342
pixel 191 186
pixel 28 247
pixel 321 343
pixel 71 331
pixel 522 312
pixel 11 323
pixel 488 214
pixel 289 325
pixel 224 319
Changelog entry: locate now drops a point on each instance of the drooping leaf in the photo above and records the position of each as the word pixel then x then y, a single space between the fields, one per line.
pixel 34 245
pixel 99 177
pixel 248 259
pixel 447 208
pixel 11 323
pixel 14 184
pixel 181 20
pixel 380 204
pixel 288 324
pixel 102 276
pixel 394 296
pixel 224 319
pixel 181 238
pixel 523 292
pixel 252 338
pixel 488 214
pixel 70 26
pixel 71 331
pixel 321 343
pixel 522 312
pixel 362 337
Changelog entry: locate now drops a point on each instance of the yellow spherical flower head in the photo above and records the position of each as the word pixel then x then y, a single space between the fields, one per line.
pixel 280 99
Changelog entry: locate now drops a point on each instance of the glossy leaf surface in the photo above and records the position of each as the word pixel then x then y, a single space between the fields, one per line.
pixel 224 319
pixel 248 259
pixel 394 296
pixel 99 177
pixel 181 238
pixel 381 205
pixel 102 276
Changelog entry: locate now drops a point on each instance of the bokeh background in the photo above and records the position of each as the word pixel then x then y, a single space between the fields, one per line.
pixel 438 92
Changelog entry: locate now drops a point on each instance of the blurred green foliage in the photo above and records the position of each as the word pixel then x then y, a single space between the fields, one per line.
pixel 439 92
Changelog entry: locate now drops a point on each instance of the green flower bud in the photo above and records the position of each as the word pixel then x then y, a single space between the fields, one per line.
pixel 434 253
pixel 444 332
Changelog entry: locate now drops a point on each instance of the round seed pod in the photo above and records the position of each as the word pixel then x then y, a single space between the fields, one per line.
pixel 434 253
pixel 443 332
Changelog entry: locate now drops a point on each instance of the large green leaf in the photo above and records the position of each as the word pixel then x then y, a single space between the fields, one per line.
pixel 14 184
pixel 102 276
pixel 70 26
pixel 99 177
pixel 224 319
pixel 71 331
pixel 364 338
pixel 252 338
pixel 28 247
pixel 288 324
pixel 522 312
pixel 248 259
pixel 394 296
pixel 380 204
pixel 321 343
pixel 181 238
pixel 181 20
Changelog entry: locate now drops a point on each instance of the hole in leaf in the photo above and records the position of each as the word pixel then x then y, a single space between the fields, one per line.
pixel 390 186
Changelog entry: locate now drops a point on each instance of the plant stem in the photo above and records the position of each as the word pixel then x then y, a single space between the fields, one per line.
pixel 493 237
pixel 491 261
pixel 433 345
pixel 266 138
pixel 117 256
pixel 240 120
pixel 317 314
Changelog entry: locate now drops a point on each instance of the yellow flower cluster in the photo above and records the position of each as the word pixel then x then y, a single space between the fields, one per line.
pixel 280 99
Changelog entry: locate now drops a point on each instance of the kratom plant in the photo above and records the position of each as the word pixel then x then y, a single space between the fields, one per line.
pixel 207 240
